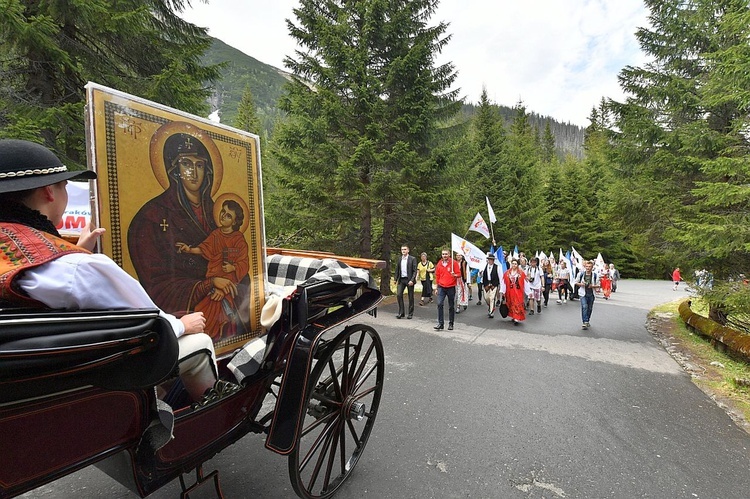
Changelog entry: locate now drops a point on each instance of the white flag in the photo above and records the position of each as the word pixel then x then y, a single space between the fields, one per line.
pixel 578 259
pixel 475 257
pixel 478 225
pixel 599 262
pixel 490 212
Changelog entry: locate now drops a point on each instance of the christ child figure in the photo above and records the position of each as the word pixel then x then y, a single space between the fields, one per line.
pixel 226 251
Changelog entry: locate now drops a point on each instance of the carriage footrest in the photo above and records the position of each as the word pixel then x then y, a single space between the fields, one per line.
pixel 248 360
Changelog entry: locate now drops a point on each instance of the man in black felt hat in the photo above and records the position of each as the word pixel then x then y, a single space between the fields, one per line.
pixel 40 269
pixel 491 281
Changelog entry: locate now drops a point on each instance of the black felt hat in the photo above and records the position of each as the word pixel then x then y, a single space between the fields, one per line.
pixel 27 165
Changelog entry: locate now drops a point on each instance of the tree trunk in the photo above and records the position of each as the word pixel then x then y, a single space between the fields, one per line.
pixel 388 227
pixel 365 230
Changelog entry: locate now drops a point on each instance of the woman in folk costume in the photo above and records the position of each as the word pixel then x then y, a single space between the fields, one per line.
pixel 514 287
pixel 462 288
pixel 605 281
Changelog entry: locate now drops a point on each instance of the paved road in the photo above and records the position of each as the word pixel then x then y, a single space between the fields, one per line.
pixel 543 409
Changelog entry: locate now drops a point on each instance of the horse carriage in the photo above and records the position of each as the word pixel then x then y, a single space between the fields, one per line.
pixel 79 388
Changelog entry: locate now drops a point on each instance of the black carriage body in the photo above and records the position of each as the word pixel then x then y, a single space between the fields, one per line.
pixel 94 411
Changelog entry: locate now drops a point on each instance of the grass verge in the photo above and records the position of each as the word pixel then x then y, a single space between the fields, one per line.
pixel 724 379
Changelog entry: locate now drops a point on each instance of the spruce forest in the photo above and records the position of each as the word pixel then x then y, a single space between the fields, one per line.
pixel 367 145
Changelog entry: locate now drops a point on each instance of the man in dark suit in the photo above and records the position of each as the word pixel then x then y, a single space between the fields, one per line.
pixel 491 280
pixel 405 276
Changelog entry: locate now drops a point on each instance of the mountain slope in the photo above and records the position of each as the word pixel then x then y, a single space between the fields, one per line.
pixel 267 85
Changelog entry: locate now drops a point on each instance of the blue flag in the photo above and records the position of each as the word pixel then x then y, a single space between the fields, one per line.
pixel 500 258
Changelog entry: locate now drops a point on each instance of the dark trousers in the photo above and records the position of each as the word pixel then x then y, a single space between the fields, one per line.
pixel 427 289
pixel 442 293
pixel 404 283
pixel 563 289
pixel 587 306
pixel 545 293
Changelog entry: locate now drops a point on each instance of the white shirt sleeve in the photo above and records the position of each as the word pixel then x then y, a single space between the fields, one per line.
pixel 79 281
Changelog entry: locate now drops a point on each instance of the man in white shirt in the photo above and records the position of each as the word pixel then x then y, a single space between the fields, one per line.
pixel 46 270
pixel 406 277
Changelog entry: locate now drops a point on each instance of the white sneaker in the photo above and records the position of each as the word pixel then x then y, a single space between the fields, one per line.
pixel 559 301
pixel 565 300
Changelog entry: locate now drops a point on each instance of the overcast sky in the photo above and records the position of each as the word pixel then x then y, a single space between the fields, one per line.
pixel 559 57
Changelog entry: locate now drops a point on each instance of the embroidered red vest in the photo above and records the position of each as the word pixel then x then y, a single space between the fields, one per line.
pixel 23 248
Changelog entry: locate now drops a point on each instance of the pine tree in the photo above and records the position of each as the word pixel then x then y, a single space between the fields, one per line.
pixel 363 109
pixel 524 190
pixel 51 49
pixel 488 150
pixel 547 144
pixel 247 117
pixel 680 136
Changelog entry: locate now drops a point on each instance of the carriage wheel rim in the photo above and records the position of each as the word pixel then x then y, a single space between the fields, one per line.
pixel 355 402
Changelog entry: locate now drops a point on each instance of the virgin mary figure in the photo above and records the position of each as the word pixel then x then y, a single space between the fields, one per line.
pixel 183 213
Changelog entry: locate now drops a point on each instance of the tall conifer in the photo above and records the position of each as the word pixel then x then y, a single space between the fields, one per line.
pixel 363 108
pixel 681 136
pixel 51 49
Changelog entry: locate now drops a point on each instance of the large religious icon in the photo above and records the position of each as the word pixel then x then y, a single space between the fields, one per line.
pixel 181 199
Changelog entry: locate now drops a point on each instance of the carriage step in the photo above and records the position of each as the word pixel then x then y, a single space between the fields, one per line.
pixel 200 479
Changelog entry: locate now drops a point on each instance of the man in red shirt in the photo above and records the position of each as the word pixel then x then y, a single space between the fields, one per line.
pixel 446 272
pixel 676 278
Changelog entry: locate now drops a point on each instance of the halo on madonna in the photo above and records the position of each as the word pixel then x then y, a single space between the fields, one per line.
pixel 156 151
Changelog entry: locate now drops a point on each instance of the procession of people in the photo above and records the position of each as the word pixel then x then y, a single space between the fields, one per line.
pixel 516 287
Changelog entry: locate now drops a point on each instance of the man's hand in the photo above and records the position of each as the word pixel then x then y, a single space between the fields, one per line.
pixel 194 323
pixel 89 236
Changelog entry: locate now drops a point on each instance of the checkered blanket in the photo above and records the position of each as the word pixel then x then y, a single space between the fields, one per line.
pixel 292 271
pixel 284 274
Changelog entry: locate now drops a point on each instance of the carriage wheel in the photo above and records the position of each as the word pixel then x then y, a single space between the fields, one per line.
pixel 341 405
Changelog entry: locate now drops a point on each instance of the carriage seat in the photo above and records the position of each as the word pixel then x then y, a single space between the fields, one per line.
pixel 47 351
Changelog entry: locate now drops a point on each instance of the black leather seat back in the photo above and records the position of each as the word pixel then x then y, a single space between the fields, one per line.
pixel 46 351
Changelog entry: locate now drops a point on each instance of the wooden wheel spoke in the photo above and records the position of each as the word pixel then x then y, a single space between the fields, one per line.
pixel 337 437
pixel 353 431
pixel 318 422
pixel 335 380
pixel 344 370
pixel 343 447
pixel 326 446
pixel 364 378
pixel 365 393
pixel 324 435
pixel 355 358
pixel 364 361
